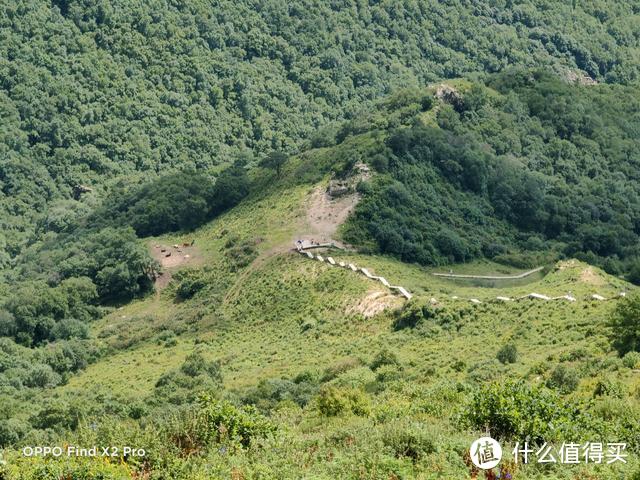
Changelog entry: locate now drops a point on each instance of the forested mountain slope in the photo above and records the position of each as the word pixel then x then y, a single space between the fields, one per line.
pixel 93 90
pixel 158 160
pixel 521 161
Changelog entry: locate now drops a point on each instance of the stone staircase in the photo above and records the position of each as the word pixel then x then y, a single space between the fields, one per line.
pixel 350 266
pixel 303 250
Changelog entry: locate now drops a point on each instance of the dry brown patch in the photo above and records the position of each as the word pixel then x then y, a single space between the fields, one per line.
pixel 590 276
pixel 325 214
pixel 375 302
pixel 171 257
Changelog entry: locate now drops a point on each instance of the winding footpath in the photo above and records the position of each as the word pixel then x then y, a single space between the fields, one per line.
pixel 350 266
pixel 304 250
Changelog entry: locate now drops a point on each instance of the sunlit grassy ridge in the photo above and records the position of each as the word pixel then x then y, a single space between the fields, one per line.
pixel 255 321
pixel 291 336
pixel 277 314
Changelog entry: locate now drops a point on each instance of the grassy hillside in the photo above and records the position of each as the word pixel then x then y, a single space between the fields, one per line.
pixel 351 396
pixel 160 161
pixel 108 338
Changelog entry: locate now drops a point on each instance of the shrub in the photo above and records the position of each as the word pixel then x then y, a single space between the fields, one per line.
pixel 634 272
pixel 459 365
pixel 610 388
pixel 517 410
pixel 137 410
pixel 413 314
pixel 333 401
pixel 56 414
pixel 11 431
pixel 167 338
pixel 69 328
pixel 625 325
pixel 68 355
pixel 340 367
pixel 271 392
pixel 485 371
pixel 631 359
pixel 223 422
pixel 42 376
pixel 388 373
pixel 240 253
pixel 8 326
pixel 195 365
pixel 384 357
pixel 191 282
pixel 507 354
pixel 408 439
pixel 563 379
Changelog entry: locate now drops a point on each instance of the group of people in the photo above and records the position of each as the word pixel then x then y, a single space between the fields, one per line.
pixel 300 243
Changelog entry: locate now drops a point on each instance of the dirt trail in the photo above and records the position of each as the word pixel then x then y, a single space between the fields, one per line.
pixel 325 214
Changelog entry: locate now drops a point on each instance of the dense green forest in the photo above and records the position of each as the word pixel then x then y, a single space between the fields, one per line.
pixel 95 90
pixel 524 160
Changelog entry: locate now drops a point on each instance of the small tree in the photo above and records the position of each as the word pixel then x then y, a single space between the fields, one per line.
pixel 634 272
pixel 274 161
pixel 508 354
pixel 625 326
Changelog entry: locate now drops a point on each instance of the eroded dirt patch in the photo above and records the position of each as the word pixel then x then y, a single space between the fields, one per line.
pixel 325 214
pixel 171 257
pixel 375 302
pixel 590 276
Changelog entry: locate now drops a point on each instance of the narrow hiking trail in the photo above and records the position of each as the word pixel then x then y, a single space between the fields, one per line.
pixel 325 214
pixel 315 226
pixel 489 277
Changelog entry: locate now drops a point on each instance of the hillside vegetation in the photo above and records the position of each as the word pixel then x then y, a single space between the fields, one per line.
pixel 298 351
pixel 159 160
pixel 96 90
pixel 524 160
pixel 392 394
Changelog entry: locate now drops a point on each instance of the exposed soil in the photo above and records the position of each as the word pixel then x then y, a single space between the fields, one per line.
pixel 375 302
pixel 325 214
pixel 171 257
pixel 590 276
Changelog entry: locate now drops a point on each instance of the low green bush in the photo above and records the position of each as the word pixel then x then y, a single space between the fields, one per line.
pixel 334 401
pixel 515 409
pixel 610 388
pixel 631 359
pixel 384 357
pixel 563 379
pixel 409 439
pixel 223 422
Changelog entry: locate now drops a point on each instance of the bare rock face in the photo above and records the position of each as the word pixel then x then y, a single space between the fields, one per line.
pixel 578 77
pixel 449 95
pixel 338 188
pixel 345 186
